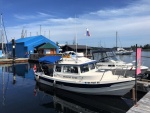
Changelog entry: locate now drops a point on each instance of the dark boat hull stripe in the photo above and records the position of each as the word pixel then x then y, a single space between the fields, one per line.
pixel 81 85
pixel 45 79
pixel 88 85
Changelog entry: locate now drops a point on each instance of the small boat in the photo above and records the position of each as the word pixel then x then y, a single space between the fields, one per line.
pixel 80 75
pixel 122 51
pixel 107 60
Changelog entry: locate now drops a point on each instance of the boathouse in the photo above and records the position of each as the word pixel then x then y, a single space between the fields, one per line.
pixel 29 45
pixel 47 49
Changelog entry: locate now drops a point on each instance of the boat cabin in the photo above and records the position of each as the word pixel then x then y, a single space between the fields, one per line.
pixel 74 69
pixel 104 55
pixel 68 65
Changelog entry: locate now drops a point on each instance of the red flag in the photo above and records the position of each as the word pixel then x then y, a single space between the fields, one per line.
pixel 87 32
pixel 34 68
pixel 138 59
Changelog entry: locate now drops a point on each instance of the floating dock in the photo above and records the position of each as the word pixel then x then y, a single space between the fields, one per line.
pixel 142 106
pixel 143 85
pixel 10 61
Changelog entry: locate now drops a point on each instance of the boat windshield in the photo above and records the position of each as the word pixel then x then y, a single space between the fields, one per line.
pixel 84 68
pixel 105 56
pixel 87 67
pixel 92 66
pixel 112 56
pixel 70 69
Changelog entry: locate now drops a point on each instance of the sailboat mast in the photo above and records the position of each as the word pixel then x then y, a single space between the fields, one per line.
pixel 116 39
pixel 1 34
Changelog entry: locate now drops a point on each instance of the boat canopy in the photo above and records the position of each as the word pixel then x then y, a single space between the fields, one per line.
pixel 49 59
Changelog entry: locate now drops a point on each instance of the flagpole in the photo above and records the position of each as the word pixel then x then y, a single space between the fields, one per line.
pixel 87 34
pixel 86 44
pixel 136 78
pixel 86 48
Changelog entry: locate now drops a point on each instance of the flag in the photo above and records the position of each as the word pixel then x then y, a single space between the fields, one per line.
pixel 87 32
pixel 34 68
pixel 138 60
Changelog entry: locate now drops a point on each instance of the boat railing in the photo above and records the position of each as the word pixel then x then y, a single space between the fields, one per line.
pixel 124 70
pixel 103 74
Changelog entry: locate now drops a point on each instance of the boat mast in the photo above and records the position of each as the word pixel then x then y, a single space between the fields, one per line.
pixel 1 35
pixel 116 39
pixel 76 37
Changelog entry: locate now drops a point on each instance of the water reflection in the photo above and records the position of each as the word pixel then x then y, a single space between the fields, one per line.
pixel 68 102
pixel 24 70
pixel 14 73
pixel 4 83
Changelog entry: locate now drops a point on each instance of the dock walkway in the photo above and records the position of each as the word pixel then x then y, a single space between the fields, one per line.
pixel 143 105
pixel 17 60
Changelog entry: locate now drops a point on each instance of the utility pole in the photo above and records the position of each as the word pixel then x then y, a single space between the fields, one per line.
pixel 13 50
pixel 40 29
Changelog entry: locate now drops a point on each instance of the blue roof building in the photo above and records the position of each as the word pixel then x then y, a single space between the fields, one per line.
pixel 29 45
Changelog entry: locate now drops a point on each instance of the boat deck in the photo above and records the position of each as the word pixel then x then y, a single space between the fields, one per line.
pixel 142 106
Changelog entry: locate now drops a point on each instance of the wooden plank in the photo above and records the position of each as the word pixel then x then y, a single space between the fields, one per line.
pixel 143 105
pixel 17 60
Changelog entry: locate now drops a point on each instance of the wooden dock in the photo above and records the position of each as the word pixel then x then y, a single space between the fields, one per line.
pixel 143 85
pixel 143 105
pixel 10 61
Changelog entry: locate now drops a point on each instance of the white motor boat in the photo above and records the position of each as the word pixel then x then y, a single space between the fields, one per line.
pixel 80 75
pixel 122 51
pixel 107 60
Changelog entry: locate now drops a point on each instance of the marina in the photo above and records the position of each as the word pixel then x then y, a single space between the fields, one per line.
pixel 74 57
pixel 19 89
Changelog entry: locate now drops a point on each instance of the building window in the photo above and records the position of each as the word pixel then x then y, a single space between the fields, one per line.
pixel 46 51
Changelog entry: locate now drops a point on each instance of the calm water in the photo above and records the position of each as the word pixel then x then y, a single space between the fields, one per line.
pixel 19 93
pixel 131 58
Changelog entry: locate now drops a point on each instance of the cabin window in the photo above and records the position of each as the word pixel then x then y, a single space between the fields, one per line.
pixel 70 69
pixel 58 69
pixel 84 68
pixel 91 66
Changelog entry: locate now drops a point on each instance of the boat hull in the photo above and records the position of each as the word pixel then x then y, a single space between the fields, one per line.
pixel 117 88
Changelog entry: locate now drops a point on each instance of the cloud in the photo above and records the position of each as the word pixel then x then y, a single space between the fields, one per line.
pixel 38 15
pixel 24 17
pixel 132 23
pixel 140 8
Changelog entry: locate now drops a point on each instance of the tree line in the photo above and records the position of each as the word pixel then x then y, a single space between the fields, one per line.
pixel 145 47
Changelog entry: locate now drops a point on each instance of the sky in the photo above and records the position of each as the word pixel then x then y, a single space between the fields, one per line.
pixel 65 21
